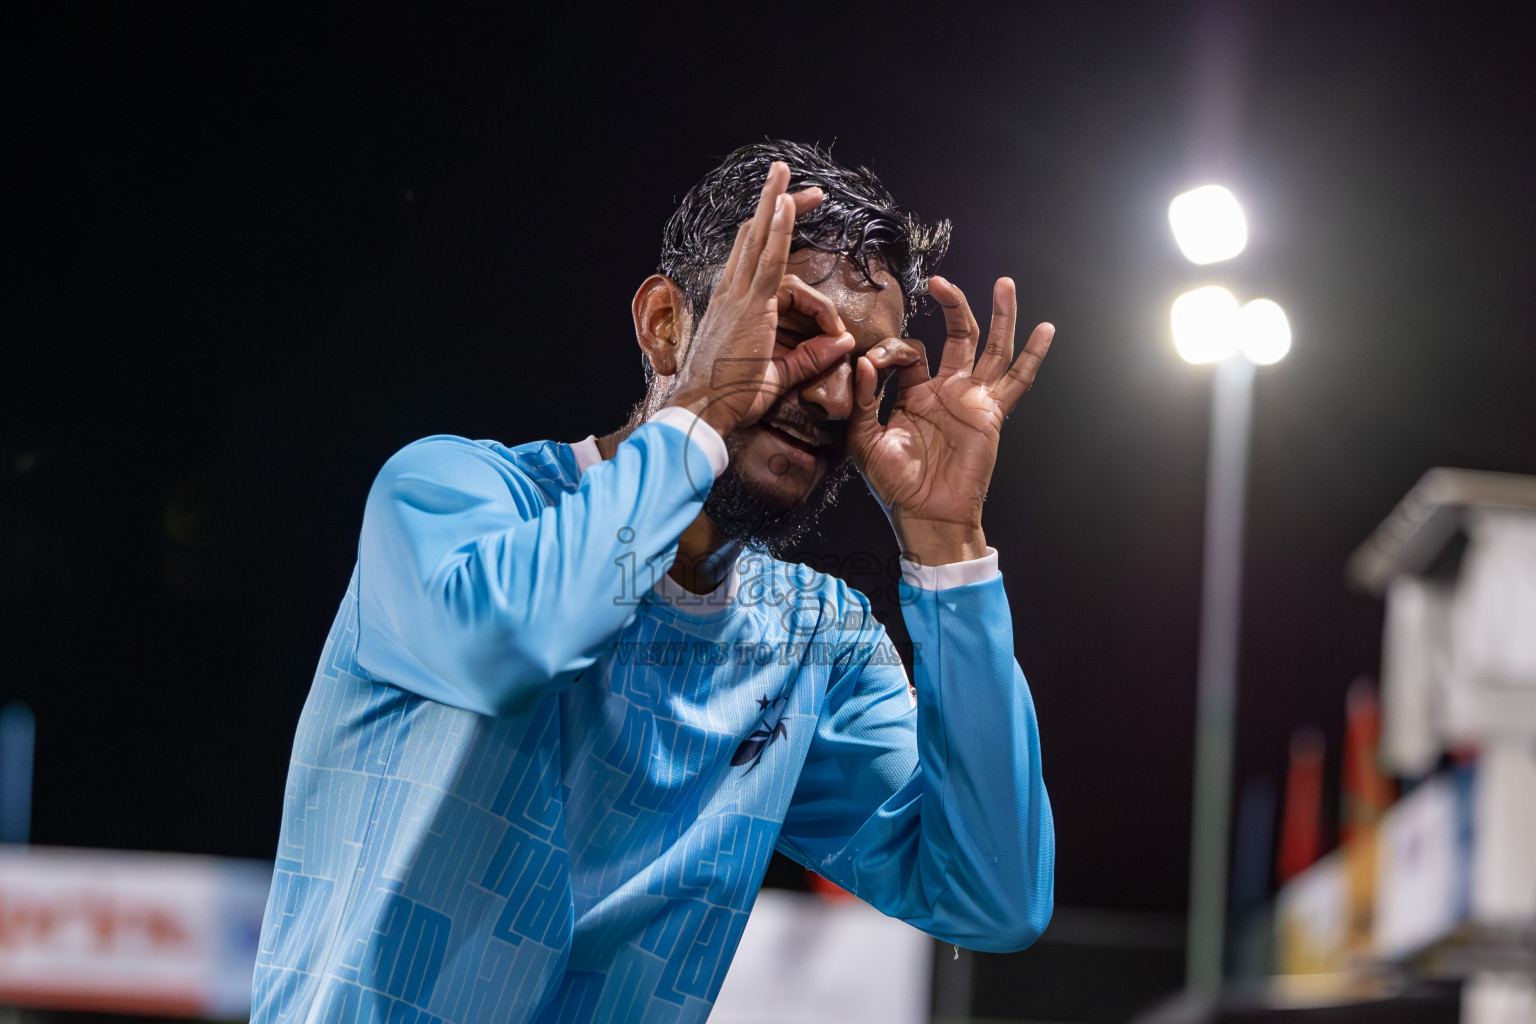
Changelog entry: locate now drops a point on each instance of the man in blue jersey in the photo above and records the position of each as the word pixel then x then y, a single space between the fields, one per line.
pixel 572 702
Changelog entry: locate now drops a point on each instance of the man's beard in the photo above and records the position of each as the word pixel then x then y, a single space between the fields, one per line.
pixel 757 520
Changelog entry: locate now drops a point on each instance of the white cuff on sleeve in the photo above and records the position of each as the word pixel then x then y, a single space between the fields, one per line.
pixel 954 574
pixel 699 433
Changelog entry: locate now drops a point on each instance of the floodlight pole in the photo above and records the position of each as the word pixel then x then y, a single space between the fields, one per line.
pixel 1221 589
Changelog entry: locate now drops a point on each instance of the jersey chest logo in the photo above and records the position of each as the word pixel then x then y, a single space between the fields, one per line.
pixel 770 727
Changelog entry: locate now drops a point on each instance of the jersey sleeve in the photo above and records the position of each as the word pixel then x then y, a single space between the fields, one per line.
pixel 937 814
pixel 475 591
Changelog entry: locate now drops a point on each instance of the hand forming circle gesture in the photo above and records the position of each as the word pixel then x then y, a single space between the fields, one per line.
pixel 930 465
pixel 731 376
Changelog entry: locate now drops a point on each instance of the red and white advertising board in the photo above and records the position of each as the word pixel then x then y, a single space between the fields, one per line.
pixel 129 932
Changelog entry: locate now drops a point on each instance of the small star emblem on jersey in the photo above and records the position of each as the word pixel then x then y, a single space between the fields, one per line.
pixel 770 727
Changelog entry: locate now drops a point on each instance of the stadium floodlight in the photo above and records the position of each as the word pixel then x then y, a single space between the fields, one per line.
pixel 1264 331
pixel 1209 327
pixel 1208 224
pixel 1207 324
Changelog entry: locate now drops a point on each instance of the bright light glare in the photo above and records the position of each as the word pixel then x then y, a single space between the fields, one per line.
pixel 1265 332
pixel 1208 224
pixel 1205 324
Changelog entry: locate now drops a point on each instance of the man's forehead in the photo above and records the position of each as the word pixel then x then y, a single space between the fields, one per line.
pixel 860 304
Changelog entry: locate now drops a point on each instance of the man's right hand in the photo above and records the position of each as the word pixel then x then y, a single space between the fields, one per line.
pixel 733 374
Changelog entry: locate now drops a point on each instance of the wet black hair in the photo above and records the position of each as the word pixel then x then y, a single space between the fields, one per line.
pixel 858 219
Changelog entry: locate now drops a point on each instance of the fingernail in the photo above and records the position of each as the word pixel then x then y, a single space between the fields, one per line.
pixel 778 203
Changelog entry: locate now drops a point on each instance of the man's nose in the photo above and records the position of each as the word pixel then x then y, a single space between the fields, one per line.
pixel 832 392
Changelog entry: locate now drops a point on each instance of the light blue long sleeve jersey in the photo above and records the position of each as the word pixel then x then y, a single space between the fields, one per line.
pixel 528 785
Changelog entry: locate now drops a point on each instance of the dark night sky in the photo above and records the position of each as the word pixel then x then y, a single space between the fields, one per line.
pixel 247 256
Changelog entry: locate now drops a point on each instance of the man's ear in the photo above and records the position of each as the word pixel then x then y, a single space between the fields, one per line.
pixel 660 310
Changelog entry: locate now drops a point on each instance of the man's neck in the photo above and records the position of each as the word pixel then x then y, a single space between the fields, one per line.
pixel 704 555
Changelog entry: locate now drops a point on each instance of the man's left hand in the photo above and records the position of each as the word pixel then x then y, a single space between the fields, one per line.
pixel 930 465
